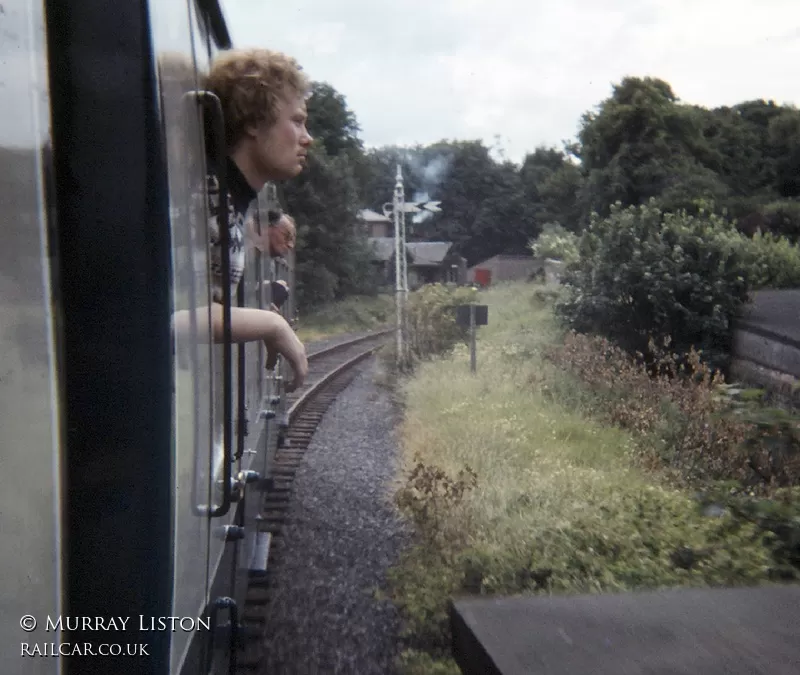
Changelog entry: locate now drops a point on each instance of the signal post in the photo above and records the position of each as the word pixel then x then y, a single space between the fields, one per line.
pixel 398 207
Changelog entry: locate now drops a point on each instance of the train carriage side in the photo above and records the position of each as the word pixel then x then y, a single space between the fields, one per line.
pixel 181 37
pixel 30 410
pixel 108 252
pixel 126 448
pixel 221 438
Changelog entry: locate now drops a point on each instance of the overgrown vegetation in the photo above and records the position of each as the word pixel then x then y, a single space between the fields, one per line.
pixel 566 468
pixel 350 315
pixel 682 412
pixel 566 465
pixel 431 329
pixel 431 320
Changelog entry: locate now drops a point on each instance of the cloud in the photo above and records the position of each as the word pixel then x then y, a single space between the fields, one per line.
pixel 420 71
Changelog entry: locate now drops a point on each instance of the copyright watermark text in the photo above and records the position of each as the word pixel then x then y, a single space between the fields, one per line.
pixel 185 624
pixel 81 649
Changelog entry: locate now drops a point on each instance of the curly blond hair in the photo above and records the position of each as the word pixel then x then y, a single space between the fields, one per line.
pixel 250 84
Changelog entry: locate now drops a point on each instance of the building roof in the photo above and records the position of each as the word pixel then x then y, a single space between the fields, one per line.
pixel 420 252
pixel 428 252
pixel 370 216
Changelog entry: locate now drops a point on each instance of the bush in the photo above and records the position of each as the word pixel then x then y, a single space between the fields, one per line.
pixel 555 242
pixel 431 327
pixel 429 498
pixel 643 273
pixel 432 500
pixel 773 261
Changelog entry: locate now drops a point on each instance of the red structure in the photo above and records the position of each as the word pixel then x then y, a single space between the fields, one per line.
pixel 483 277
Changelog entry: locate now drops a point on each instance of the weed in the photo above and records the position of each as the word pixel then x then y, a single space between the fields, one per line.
pixel 684 412
pixel 430 498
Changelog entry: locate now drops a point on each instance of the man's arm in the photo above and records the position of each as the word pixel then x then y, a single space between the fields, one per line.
pixel 249 325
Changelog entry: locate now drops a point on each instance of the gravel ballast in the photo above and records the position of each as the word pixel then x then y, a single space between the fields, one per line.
pixel 341 535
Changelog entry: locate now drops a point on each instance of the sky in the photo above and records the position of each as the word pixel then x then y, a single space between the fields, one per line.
pixel 514 73
pixel 520 73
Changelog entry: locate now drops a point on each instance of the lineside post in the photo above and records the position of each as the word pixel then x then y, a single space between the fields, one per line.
pixel 472 346
pixel 471 316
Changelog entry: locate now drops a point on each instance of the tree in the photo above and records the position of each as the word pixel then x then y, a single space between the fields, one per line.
pixel 552 186
pixel 331 122
pixel 783 134
pixel 332 257
pixel 640 144
pixel 484 206
pixel 376 171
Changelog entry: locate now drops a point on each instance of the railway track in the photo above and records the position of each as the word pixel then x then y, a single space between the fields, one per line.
pixel 330 371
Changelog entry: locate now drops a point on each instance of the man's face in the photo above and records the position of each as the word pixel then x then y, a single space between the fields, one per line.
pixel 281 238
pixel 280 150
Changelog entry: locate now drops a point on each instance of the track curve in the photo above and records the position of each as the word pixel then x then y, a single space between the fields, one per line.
pixel 330 371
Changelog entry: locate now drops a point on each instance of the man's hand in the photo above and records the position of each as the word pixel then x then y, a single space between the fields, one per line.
pixel 288 344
